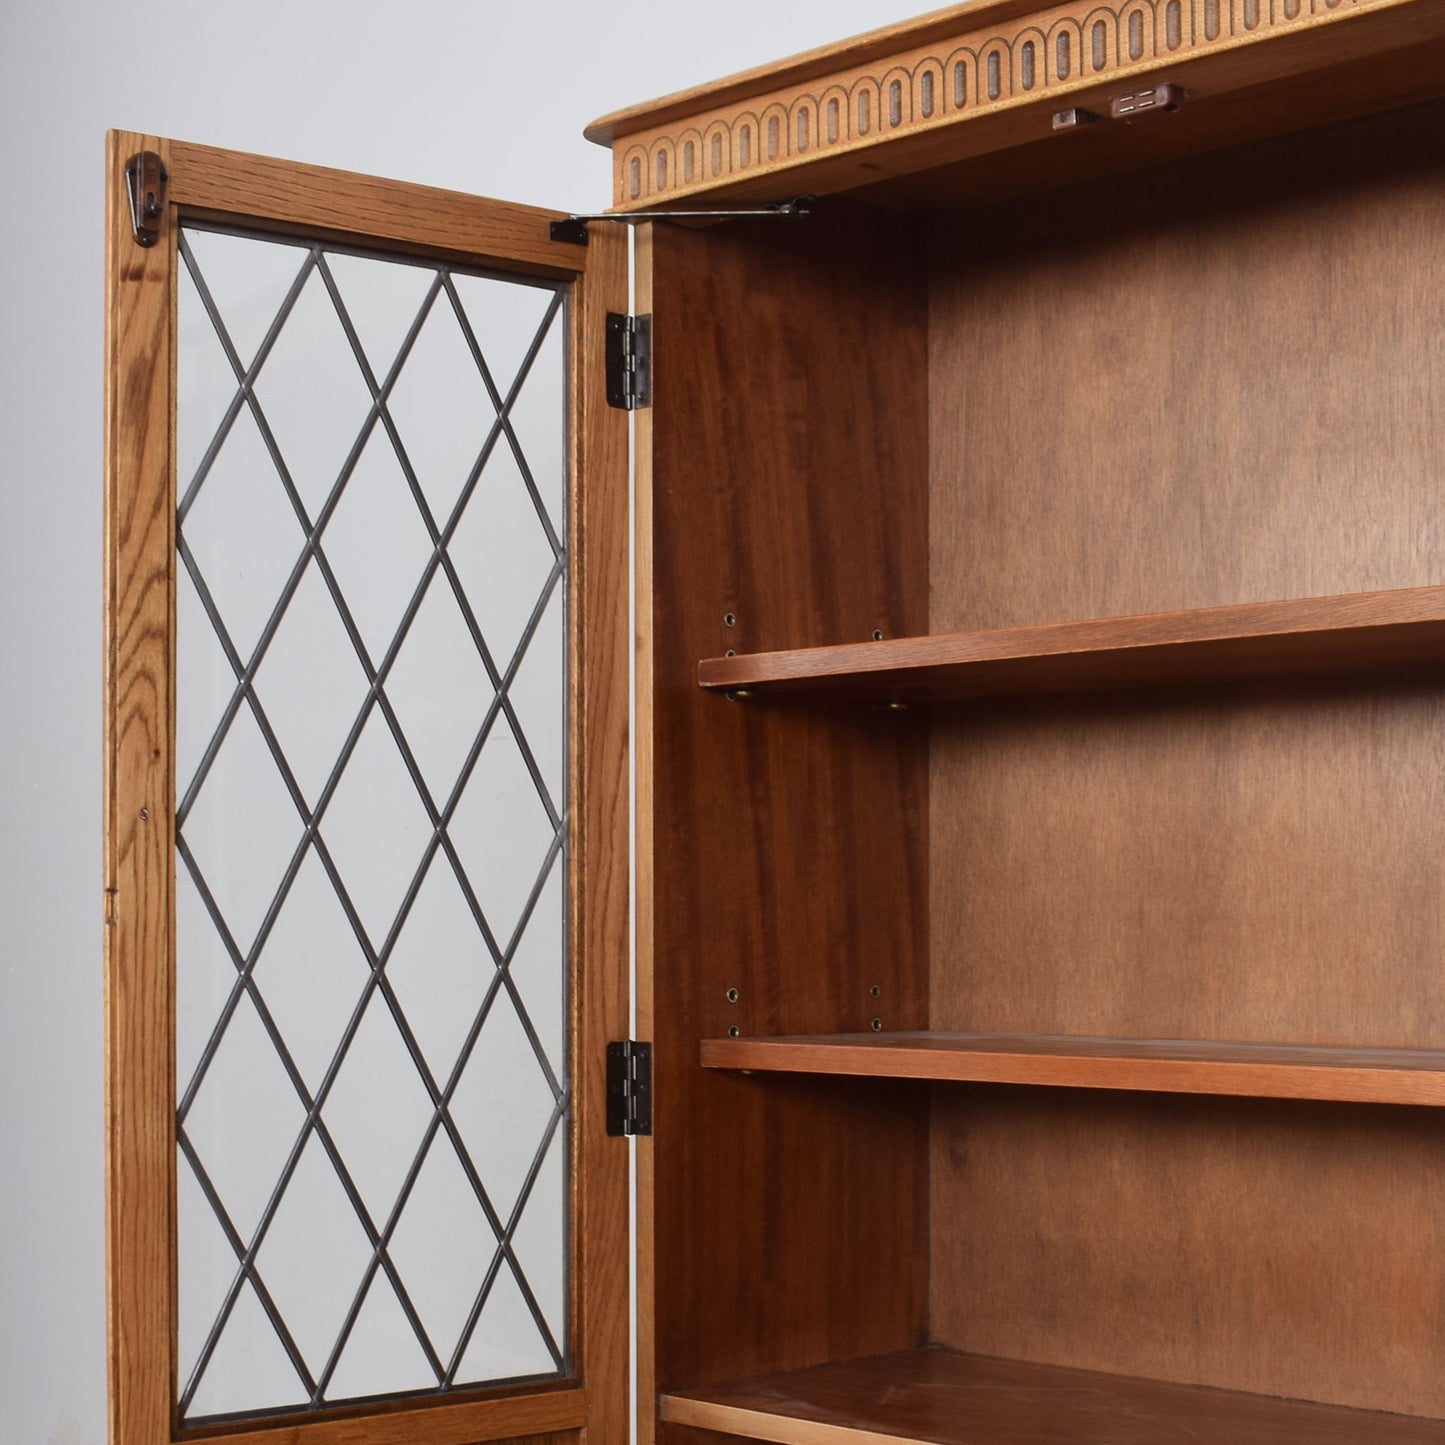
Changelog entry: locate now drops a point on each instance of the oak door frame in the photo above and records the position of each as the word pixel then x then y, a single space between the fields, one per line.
pixel 139 788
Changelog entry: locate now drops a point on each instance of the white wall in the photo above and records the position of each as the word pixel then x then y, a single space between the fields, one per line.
pixel 472 94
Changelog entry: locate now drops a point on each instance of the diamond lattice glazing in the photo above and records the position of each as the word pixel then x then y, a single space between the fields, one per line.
pixel 371 542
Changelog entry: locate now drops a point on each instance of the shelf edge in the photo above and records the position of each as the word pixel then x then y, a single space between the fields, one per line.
pixel 1414 1083
pixel 779 1429
pixel 1410 618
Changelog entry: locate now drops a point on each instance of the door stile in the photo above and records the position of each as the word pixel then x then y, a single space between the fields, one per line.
pixel 139 876
pixel 646 1367
pixel 140 788
pixel 602 645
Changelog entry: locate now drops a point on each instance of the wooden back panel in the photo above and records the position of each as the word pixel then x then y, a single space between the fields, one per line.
pixel 1214 384
pixel 1290 1249
pixel 782 851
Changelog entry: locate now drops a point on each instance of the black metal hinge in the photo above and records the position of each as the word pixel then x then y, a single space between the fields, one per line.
pixel 629 1088
pixel 629 361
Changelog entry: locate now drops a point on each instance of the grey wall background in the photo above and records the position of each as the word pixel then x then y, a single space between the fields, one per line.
pixel 472 94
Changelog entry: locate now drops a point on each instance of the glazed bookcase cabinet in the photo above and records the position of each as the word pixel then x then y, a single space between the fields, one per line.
pixel 1039 739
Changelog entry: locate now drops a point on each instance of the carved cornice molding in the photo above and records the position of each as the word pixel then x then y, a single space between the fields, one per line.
pixel 1046 55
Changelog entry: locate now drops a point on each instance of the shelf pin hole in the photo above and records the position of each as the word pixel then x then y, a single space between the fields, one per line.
pixel 877 634
pixel 729 620
pixel 732 995
pixel 734 1032
pixel 877 1026
pixel 875 992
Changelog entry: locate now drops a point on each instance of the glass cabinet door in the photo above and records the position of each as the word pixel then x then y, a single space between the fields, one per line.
pixel 367 919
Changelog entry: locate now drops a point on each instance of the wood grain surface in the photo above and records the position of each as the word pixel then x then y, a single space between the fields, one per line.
pixel 782 488
pixel 140 806
pixel 1175 1066
pixel 1281 1247
pixel 1216 386
pixel 208 182
pixel 1314 636
pixel 950 1398
pixel 600 643
pixel 553 1417
pixel 868 48
pixel 1242 80
pixel 139 816
pixel 1023 159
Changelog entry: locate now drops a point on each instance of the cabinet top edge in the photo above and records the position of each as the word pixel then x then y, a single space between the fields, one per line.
pixel 870 46
pixel 958 86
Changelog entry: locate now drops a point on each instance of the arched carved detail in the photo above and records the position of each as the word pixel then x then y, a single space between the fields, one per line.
pixel 896 97
pixel 803 126
pixel 1136 32
pixel 661 171
pixel 1101 40
pixel 864 104
pixel 1211 20
pixel 1062 63
pixel 1249 15
pixel 632 180
pixel 1004 64
pixel 1030 62
pixel 960 80
pixel 928 89
pixel 745 138
pixel 995 73
pixel 1176 25
pixel 774 134
pixel 717 151
pixel 689 157
pixel 833 116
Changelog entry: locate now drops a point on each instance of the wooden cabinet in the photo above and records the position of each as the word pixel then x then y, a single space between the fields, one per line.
pixel 1039 740
pixel 1040 732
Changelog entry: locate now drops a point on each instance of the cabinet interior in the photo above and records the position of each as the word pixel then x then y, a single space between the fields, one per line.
pixel 1210 383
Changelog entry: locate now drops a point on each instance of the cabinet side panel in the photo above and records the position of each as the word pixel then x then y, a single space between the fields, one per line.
pixel 783 1224
pixel 1218 383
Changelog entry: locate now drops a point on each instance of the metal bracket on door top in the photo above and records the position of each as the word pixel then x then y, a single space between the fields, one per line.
pixel 145 188
pixel 573 229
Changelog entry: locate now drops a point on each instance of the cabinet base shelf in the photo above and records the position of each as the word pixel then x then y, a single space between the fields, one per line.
pixel 950 1398
pixel 1171 1066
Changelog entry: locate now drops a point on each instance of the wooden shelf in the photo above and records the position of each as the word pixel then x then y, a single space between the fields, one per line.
pixel 956 1399
pixel 1171 1066
pixel 1309 637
